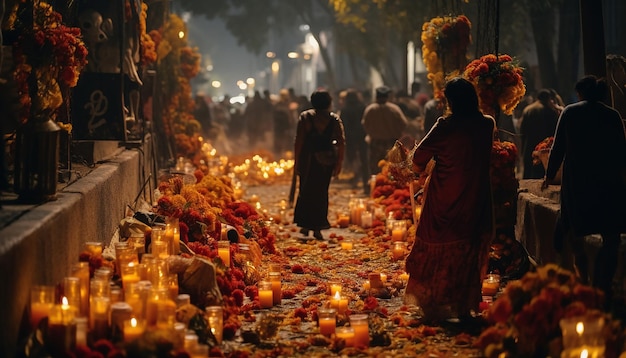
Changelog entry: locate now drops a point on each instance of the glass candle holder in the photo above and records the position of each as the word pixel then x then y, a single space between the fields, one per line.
pixel 347 244
pixel 275 279
pixel 265 294
pixel 398 250
pixel 359 322
pixel 120 312
pixel 215 316
pixel 334 286
pixel 42 298
pixel 491 285
pixel 130 275
pixel 398 231
pixel 133 329
pixel 99 311
pixel 343 220
pixel 339 302
pixel 327 320
pixel 160 249
pixel 223 250
pixel 583 336
pixel 94 248
pixel 347 334
pixel 61 333
pixel 366 219
pixel 71 290
pixel 81 270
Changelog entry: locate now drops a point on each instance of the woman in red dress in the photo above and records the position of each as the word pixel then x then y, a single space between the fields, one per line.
pixel 451 249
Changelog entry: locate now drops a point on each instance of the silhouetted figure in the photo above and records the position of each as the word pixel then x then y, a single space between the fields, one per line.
pixel 356 148
pixel 538 122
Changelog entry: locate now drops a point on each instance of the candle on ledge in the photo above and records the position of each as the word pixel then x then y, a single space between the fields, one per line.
pixel 347 244
pixel 223 250
pixel 335 286
pixel 81 270
pixel 327 318
pixel 99 317
pixel 398 250
pixel 265 294
pixel 583 336
pixel 61 335
pixel 41 302
pixel 133 329
pixel 347 334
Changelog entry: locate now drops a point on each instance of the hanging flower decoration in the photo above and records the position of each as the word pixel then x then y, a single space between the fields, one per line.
pixel 444 48
pixel 498 81
pixel 148 46
pixel 49 57
pixel 503 158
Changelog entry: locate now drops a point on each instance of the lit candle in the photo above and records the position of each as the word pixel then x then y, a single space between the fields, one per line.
pixel 491 284
pixel 383 277
pixel 335 286
pixel 41 302
pixel 215 317
pixel 347 334
pixel 327 320
pixel 340 303
pixel 265 294
pixel 133 329
pixel 81 270
pixel 347 245
pixel 366 219
pixel 99 317
pixel 404 277
pixel 343 220
pixel 130 275
pixel 93 247
pixel 61 335
pixel 223 250
pixel 366 285
pixel 276 287
pixel 359 322
pixel 399 250
pixel 398 231
pixel 375 279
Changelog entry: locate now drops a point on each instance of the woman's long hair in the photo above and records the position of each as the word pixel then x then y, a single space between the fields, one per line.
pixel 461 96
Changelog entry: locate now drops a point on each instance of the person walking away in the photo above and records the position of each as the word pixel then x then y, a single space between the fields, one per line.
pixel 283 124
pixel 433 109
pixel 450 255
pixel 254 118
pixel 384 123
pixel 316 130
pixel 538 122
pixel 356 148
pixel 591 145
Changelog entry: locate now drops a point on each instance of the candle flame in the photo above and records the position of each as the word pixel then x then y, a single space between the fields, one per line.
pixel 133 322
pixel 337 295
pixel 580 328
pixel 65 302
pixel 584 354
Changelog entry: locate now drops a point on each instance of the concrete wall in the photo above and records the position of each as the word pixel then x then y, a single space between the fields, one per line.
pixel 40 246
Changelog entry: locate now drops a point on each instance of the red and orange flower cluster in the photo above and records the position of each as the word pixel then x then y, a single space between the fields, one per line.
pixel 543 147
pixel 444 50
pixel 529 312
pixel 503 158
pixel 48 55
pixel 498 81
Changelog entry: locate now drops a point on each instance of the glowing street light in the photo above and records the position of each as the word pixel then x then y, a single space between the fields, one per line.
pixel 293 54
pixel 270 54
pixel 181 34
pixel 250 81
pixel 216 84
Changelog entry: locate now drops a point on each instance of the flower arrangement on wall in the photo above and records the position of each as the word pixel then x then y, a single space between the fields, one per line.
pixel 49 57
pixel 444 50
pixel 498 81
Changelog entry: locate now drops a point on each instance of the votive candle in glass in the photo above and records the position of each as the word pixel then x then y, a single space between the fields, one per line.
pixel 398 250
pixel 398 231
pixel 94 248
pixel 130 275
pixel 71 290
pixel 223 250
pixel 346 333
pixel 42 298
pixel 120 312
pixel 491 284
pixel 133 329
pixel 61 334
pixel 275 279
pixel 359 322
pixel 327 318
pixel 81 270
pixel 366 219
pixel 347 244
pixel 265 294
pixel 160 249
pixel 334 286
pixel 339 302
pixel 215 317
pixel 100 309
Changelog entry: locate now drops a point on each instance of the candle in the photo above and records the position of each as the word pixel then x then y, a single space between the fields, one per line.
pixel 359 322
pixel 130 275
pixel 343 220
pixel 398 230
pixel 404 277
pixel 41 302
pixel 276 287
pixel 223 250
pixel 160 249
pixel 265 294
pixel 418 212
pixel 82 327
pixel 133 329
pixel 347 244
pixel 215 317
pixel 99 317
pixel 383 277
pixel 335 286
pixel 398 250
pixel 345 333
pixel 583 336
pixel 366 285
pixel 120 313
pixel 61 335
pixel 71 291
pixel 171 232
pixel 366 219
pixel 340 303
pixel 375 279
pixel 81 270
pixel 491 284
pixel 93 247
pixel 327 320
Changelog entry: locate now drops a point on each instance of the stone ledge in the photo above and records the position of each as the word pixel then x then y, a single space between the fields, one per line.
pixel 41 245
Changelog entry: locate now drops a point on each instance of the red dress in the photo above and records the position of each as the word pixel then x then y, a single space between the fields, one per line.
pixel 451 248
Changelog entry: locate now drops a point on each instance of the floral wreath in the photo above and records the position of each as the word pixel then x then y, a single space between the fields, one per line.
pixel 498 82
pixel 48 55
pixel 444 47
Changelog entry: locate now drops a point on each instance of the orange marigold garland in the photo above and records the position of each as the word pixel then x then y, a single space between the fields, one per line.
pixel 498 81
pixel 444 48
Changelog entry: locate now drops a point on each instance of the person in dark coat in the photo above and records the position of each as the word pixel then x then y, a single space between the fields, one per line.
pixel 590 143
pixel 538 122
pixel 356 147
pixel 311 211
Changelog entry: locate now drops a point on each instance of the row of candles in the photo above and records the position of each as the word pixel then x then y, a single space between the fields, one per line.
pixel 94 308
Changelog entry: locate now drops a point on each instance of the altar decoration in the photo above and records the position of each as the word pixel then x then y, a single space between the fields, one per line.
pixel 526 317
pixel 541 154
pixel 444 48
pixel 498 82
pixel 504 184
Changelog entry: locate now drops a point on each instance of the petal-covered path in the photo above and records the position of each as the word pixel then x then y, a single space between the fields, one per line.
pixel 308 266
